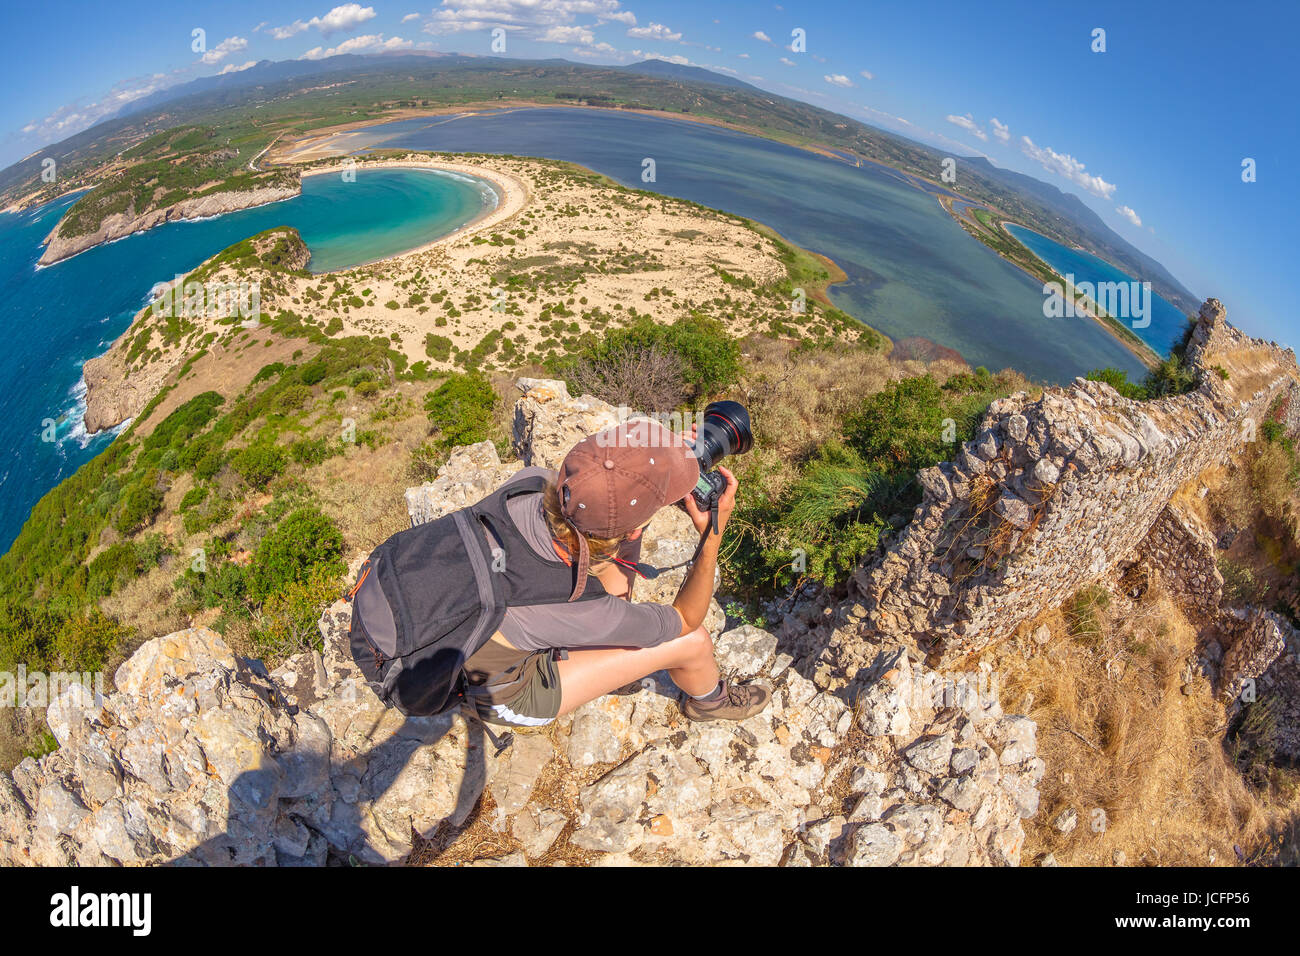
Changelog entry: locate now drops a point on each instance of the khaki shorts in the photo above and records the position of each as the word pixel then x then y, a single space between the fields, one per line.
pixel 537 701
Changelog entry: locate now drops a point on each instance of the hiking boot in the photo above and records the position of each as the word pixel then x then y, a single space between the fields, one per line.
pixel 737 702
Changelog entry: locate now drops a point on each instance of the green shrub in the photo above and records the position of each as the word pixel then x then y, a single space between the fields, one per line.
pixel 437 347
pixel 113 566
pixel 312 451
pixel 268 371
pixel 259 463
pixel 209 464
pixel 226 586
pixel 213 512
pixel 708 355
pixel 291 398
pixel 461 409
pixel 184 423
pixel 1117 379
pixel 140 504
pixel 194 497
pixel 84 642
pixel 289 618
pixel 303 542
pixel 313 372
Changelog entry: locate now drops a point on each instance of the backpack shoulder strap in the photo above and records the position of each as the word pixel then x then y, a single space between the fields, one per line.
pixel 559 581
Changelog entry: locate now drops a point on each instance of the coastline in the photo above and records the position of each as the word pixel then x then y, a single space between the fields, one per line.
pixel 318 141
pixel 462 263
pixel 1140 350
pixel 1143 352
pixel 314 146
pixel 189 210
pixel 512 198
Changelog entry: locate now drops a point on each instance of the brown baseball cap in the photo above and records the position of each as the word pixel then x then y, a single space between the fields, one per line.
pixel 614 481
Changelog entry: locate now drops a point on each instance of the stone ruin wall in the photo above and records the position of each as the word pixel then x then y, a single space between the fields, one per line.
pixel 1049 497
pixel 1182 552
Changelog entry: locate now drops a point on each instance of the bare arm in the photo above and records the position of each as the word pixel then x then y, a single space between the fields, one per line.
pixel 692 602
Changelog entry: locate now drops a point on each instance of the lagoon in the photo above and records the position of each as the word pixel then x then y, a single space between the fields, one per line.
pixel 912 270
pixel 1167 322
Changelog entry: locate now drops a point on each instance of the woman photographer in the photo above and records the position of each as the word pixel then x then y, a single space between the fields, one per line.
pixel 548 659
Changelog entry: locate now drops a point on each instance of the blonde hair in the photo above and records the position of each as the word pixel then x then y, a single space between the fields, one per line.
pixel 602 550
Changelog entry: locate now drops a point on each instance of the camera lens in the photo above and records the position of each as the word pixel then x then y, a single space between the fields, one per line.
pixel 725 431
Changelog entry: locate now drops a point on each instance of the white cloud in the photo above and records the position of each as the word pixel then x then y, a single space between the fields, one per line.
pixel 872 111
pixel 409 17
pixel 787 61
pixel 231 68
pixel 676 58
pixel 568 35
pixel 347 17
pixel 760 35
pixel 654 31
pixel 1128 213
pixel 77 116
pixel 223 49
pixel 838 79
pixel 967 122
pixel 866 74
pixel 1065 165
pixel 1001 130
pixel 742 56
pixel 460 16
pixel 369 43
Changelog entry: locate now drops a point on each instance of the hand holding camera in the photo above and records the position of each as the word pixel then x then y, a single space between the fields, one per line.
pixel 726 431
pixel 704 518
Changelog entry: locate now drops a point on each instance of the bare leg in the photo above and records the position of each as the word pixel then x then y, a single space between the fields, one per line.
pixel 594 672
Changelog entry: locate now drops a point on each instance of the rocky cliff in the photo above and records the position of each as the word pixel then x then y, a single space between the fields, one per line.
pixel 119 225
pixel 200 756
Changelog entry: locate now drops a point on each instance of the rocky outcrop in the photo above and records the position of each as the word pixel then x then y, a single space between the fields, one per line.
pixel 118 387
pixel 1053 494
pixel 1257 638
pixel 119 225
pixel 114 391
pixel 203 757
pixel 1279 686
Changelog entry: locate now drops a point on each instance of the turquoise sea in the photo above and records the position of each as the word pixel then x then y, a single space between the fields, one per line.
pixel 1167 320
pixel 55 318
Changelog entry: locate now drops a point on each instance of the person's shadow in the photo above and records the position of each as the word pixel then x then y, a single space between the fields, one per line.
pixel 327 806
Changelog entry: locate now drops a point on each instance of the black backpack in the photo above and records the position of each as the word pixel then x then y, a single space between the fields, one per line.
pixel 430 596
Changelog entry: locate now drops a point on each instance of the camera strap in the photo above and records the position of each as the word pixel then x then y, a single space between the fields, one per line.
pixel 650 572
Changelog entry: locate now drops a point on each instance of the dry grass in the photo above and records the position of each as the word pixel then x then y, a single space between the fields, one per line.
pixel 1249 368
pixel 798 401
pixel 1119 735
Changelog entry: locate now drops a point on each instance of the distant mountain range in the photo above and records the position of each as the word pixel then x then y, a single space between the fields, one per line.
pixel 258 98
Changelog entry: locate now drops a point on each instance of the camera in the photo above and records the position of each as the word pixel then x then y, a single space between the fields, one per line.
pixel 725 431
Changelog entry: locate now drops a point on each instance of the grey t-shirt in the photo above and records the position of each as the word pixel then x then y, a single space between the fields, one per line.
pixel 604 622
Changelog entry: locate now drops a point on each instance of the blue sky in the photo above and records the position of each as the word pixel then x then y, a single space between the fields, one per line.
pixel 1151 133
